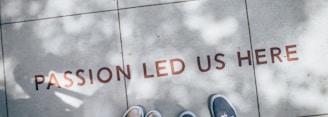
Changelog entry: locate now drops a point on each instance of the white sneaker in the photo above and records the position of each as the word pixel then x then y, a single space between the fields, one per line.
pixel 134 111
pixel 153 113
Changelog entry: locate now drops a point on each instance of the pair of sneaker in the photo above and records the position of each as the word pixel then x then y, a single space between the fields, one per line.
pixel 137 111
pixel 219 106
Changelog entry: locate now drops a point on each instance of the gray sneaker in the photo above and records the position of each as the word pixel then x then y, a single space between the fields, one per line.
pixel 187 114
pixel 220 106
pixel 134 111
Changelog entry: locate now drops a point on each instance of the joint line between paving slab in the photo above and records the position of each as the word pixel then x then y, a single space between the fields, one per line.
pixel 122 54
pixel 3 65
pixel 156 4
pixel 314 115
pixel 255 81
pixel 94 12
pixel 56 17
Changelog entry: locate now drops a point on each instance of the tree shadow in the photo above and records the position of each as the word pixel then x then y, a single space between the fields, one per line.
pixel 182 30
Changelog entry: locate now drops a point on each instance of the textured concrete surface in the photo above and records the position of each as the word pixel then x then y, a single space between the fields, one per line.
pixel 134 3
pixel 163 44
pixel 187 31
pixel 21 10
pixel 58 45
pixel 295 88
pixel 3 109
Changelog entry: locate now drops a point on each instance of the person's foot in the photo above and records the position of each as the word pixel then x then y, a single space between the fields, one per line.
pixel 153 113
pixel 187 114
pixel 134 111
pixel 220 106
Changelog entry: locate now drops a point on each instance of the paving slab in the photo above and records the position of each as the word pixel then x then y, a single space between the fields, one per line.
pixel 20 10
pixel 295 83
pixel 78 54
pixel 162 44
pixel 3 109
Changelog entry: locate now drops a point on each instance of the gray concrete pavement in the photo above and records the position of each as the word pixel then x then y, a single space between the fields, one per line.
pixel 291 88
pixel 267 57
pixel 187 31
